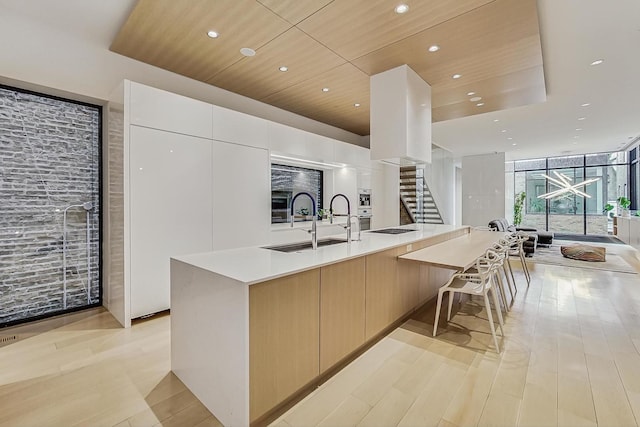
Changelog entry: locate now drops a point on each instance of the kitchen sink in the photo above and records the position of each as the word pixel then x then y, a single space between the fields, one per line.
pixel 393 230
pixel 296 247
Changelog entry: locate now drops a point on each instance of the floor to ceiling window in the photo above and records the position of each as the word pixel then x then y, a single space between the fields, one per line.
pixel 49 205
pixel 569 194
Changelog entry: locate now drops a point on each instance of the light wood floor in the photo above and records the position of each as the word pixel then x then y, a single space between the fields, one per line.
pixel 571 357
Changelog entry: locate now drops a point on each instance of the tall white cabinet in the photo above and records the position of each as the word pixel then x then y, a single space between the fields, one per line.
pixel 181 191
pixel 170 193
pixel 242 196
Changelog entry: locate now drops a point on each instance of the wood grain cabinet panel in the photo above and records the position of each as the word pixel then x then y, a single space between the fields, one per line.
pixel 342 310
pixel 408 283
pixel 383 300
pixel 283 338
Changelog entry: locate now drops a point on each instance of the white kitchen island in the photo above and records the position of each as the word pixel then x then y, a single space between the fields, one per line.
pixel 252 327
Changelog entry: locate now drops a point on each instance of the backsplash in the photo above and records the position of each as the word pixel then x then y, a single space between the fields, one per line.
pixel 49 157
pixel 286 182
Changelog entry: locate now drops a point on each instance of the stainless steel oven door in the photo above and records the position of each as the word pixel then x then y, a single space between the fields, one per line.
pixel 365 218
pixel 365 223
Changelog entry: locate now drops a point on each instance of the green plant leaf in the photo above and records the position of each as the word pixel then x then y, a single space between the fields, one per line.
pixel 517 208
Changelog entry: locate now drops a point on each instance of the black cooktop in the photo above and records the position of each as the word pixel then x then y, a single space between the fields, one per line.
pixel 393 230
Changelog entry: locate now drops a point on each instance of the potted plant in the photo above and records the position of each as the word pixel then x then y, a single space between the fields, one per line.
pixel 607 208
pixel 518 204
pixel 624 203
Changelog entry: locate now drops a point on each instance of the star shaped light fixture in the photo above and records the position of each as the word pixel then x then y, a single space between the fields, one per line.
pixel 564 185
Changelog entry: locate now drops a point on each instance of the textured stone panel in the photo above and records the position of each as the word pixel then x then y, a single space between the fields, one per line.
pixel 49 157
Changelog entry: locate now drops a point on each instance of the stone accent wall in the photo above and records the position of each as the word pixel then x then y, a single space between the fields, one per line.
pixel 115 194
pixel 49 156
pixel 292 180
pixel 596 224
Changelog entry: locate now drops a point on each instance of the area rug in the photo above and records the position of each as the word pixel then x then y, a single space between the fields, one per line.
pixel 588 238
pixel 552 255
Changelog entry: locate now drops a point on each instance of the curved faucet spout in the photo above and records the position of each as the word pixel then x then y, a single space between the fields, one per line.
pixel 348 215
pixel 313 203
pixel 314 214
pixel 331 206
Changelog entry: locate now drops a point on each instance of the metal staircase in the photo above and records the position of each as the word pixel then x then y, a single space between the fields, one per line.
pixel 416 198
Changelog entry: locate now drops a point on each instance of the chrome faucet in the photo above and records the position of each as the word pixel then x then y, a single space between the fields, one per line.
pixel 359 227
pixel 348 215
pixel 314 214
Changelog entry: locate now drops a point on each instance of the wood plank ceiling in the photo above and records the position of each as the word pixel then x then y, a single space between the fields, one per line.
pixel 493 44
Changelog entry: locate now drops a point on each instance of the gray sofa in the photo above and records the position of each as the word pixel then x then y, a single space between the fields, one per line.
pixel 536 237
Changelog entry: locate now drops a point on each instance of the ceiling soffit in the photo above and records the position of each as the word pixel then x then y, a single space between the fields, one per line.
pixel 493 44
pixel 347 85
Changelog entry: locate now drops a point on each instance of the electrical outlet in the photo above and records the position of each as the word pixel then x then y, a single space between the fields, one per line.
pixel 409 247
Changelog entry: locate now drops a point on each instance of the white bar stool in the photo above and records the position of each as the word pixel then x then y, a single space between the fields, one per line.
pixel 479 283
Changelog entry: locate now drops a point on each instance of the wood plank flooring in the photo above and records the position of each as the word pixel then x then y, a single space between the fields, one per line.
pixel 570 357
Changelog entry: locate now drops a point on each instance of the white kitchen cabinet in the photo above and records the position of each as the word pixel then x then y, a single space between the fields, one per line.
pixel 300 144
pixel 170 194
pixel 351 155
pixel 634 232
pixel 629 230
pixel 235 127
pixel 345 181
pixel 158 109
pixel 319 147
pixel 285 140
pixel 242 196
pixel 624 229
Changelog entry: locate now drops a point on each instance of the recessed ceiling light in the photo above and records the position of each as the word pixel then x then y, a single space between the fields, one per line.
pixel 213 34
pixel 509 138
pixel 247 51
pixel 475 99
pixel 586 104
pixel 581 118
pixel 597 62
pixel 284 68
pixel 576 137
pixel 356 105
pixel 514 144
pixel 470 93
pixel 503 130
pixel 325 89
pixel 578 129
pixel 496 120
pixel 401 8
pixel 456 76
pixel 434 48
pixel 479 104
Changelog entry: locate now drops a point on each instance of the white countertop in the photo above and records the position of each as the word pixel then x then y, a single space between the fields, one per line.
pixel 255 264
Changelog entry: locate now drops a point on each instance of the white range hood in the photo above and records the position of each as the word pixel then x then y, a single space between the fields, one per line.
pixel 400 117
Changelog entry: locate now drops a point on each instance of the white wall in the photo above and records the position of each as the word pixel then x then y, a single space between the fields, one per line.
pixel 440 176
pixel 483 188
pixel 385 195
pixel 509 188
pixel 458 197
